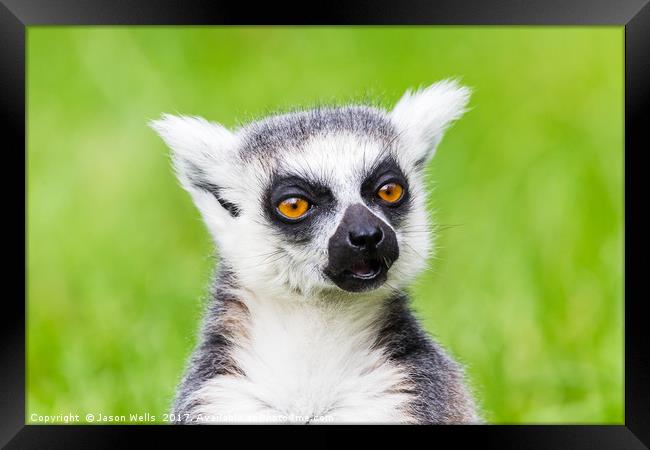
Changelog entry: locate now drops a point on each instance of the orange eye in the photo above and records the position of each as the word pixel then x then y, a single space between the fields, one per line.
pixel 294 207
pixel 391 192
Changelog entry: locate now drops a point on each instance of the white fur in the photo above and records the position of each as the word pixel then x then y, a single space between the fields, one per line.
pixel 424 115
pixel 307 362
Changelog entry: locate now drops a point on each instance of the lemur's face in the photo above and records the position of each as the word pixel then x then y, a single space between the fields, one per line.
pixel 339 206
pixel 321 201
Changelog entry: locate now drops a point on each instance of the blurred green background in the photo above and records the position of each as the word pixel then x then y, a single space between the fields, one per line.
pixel 526 288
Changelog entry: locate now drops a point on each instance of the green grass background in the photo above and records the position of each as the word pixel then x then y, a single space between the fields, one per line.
pixel 527 286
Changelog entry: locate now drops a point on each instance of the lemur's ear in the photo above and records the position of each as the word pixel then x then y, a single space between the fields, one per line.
pixel 423 116
pixel 202 153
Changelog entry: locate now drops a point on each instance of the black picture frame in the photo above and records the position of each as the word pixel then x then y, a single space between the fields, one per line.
pixel 634 15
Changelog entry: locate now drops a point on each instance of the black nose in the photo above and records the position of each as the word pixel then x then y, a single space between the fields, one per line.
pixel 366 237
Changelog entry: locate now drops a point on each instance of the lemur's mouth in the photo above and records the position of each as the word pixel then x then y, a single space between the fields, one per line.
pixel 361 275
pixel 365 270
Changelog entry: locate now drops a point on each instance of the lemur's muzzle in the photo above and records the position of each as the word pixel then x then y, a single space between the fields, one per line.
pixel 361 251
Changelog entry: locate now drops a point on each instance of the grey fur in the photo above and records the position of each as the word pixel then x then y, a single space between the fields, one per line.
pixel 211 356
pixel 281 132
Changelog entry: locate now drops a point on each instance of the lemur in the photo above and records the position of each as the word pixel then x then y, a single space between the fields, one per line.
pixel 320 223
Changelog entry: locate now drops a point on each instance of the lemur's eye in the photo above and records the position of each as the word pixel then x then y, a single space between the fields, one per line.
pixel 391 192
pixel 294 207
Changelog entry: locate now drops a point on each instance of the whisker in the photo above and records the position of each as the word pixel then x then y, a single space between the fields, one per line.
pixel 416 252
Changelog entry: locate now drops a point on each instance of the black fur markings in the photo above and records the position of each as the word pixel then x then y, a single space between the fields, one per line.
pixel 198 178
pixel 387 171
pixel 283 187
pixel 216 191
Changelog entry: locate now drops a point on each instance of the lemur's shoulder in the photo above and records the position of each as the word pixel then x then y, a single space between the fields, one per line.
pixel 222 324
pixel 442 392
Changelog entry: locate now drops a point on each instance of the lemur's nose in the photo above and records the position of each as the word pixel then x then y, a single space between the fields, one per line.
pixel 366 237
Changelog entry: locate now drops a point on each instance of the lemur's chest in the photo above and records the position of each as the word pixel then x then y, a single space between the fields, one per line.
pixel 303 366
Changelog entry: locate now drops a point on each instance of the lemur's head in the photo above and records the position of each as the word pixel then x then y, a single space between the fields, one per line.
pixel 328 200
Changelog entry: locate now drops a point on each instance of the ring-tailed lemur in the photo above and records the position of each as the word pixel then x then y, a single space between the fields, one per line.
pixel 320 221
